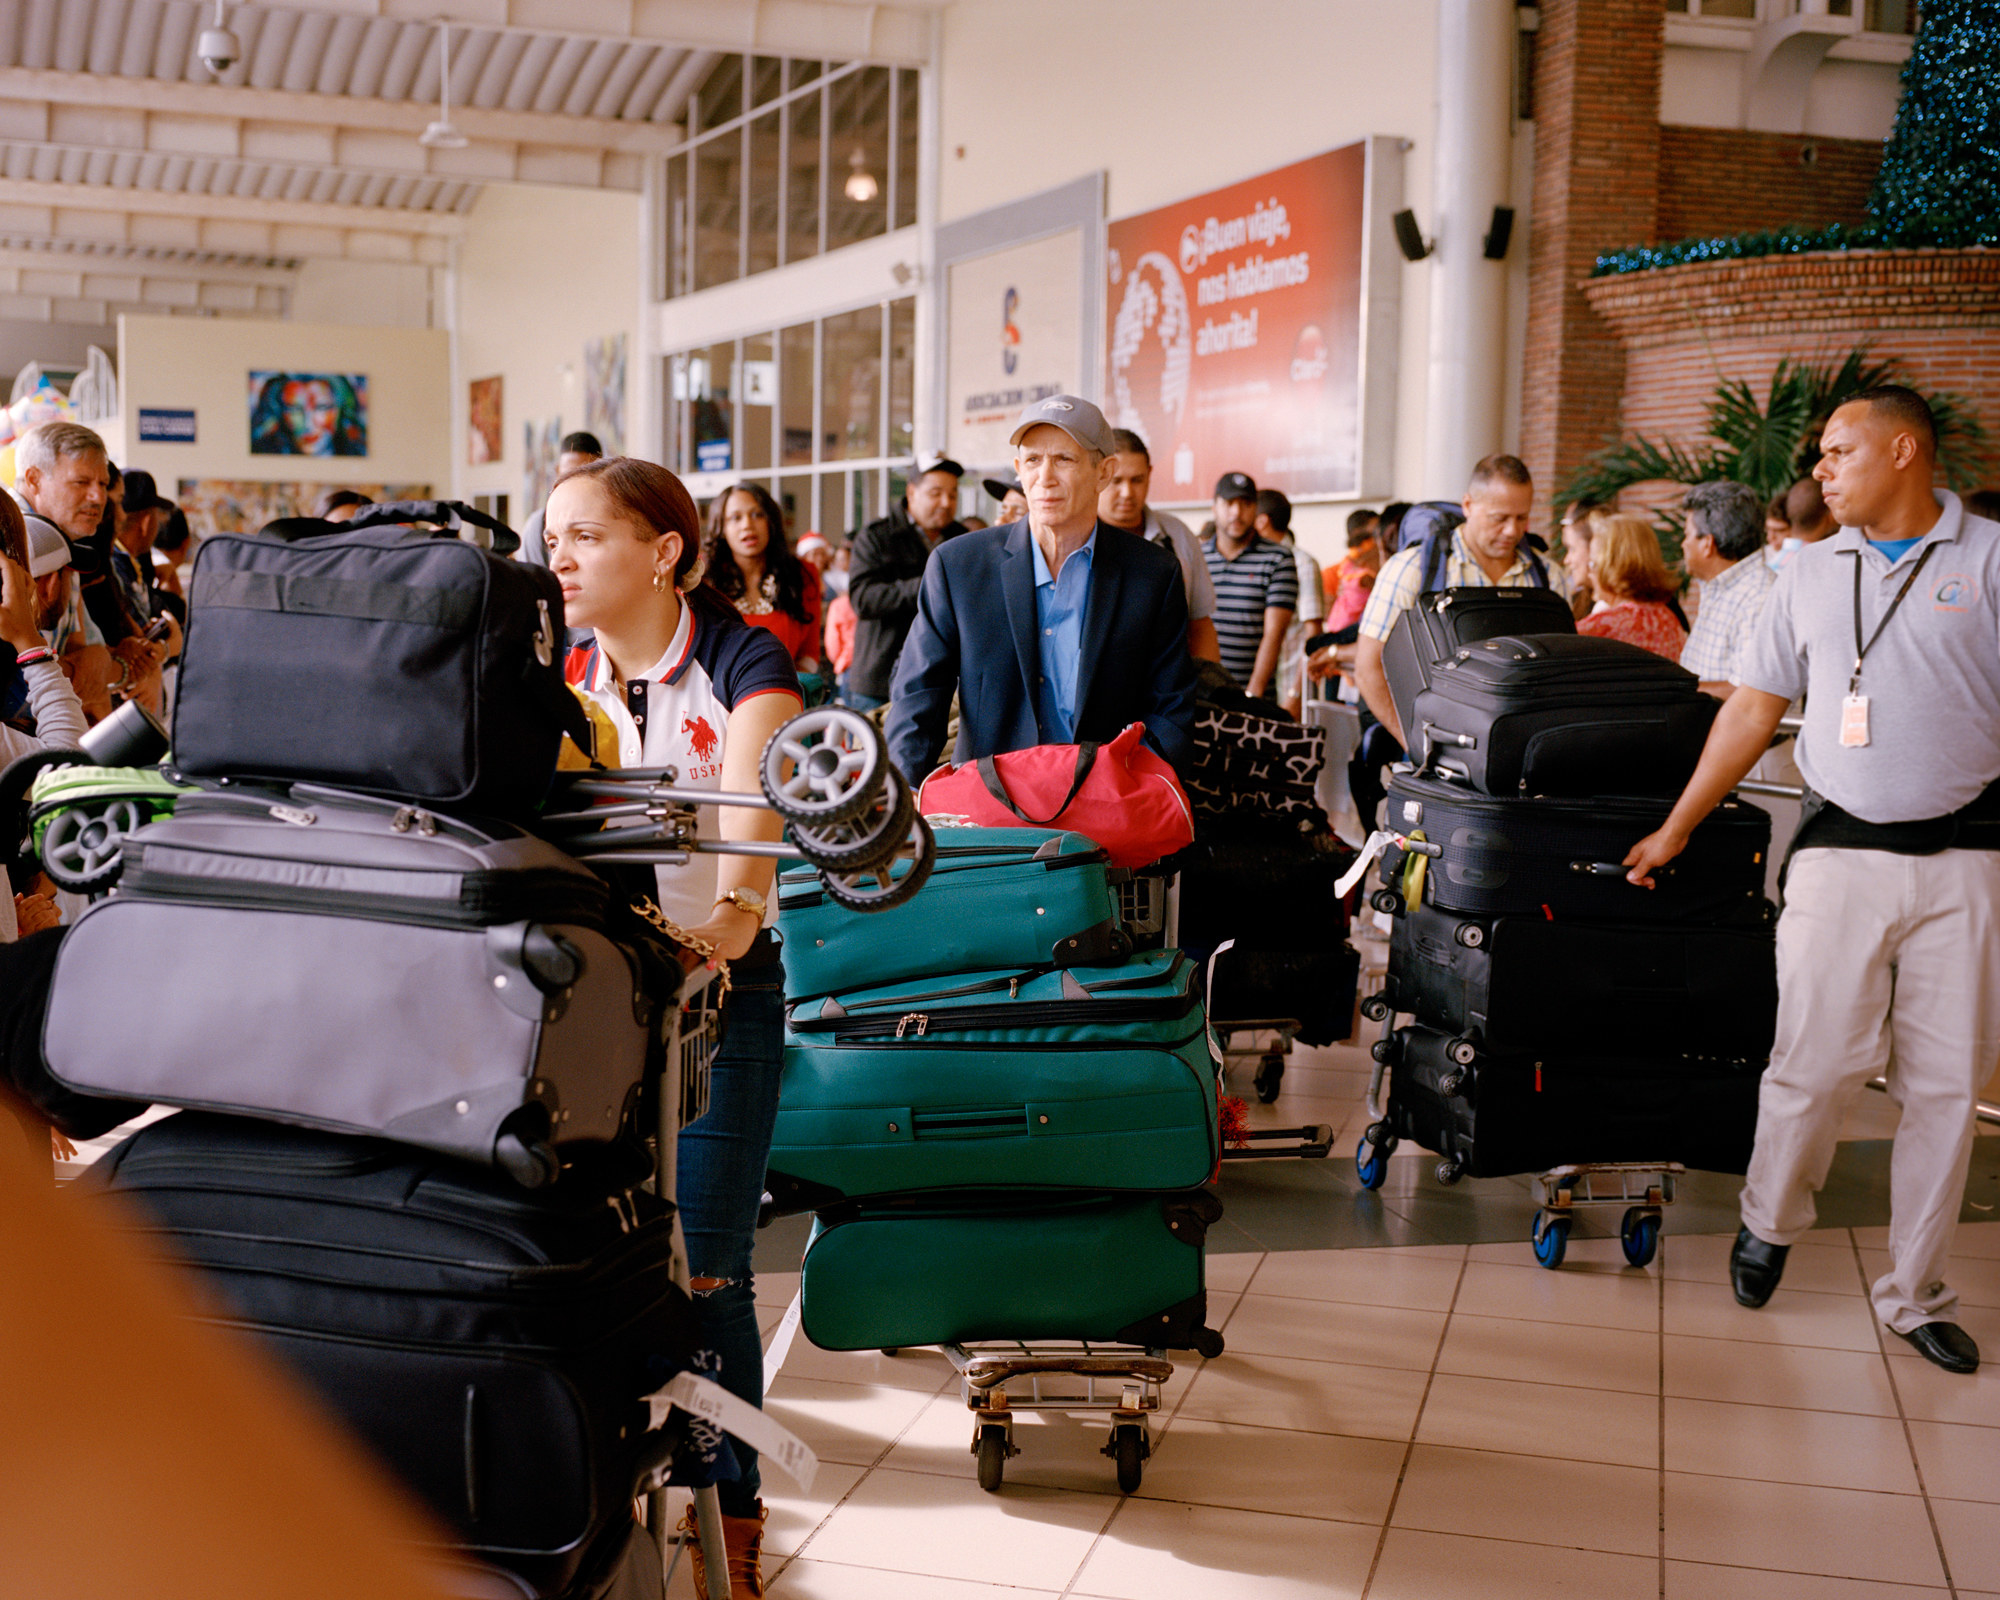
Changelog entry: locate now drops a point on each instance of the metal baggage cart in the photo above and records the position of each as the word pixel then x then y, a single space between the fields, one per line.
pixel 1122 1382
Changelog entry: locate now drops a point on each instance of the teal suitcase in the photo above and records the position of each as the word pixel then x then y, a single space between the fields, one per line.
pixel 998 897
pixel 1121 1269
pixel 1083 1078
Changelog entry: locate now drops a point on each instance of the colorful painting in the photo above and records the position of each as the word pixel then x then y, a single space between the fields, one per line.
pixel 308 414
pixel 238 505
pixel 604 392
pixel 539 449
pixel 482 422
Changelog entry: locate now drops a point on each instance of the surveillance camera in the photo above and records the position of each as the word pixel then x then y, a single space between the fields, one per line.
pixel 218 49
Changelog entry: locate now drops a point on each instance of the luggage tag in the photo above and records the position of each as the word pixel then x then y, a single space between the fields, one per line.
pixel 1854 722
pixel 763 1433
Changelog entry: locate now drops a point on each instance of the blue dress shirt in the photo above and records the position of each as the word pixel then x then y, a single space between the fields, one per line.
pixel 1059 603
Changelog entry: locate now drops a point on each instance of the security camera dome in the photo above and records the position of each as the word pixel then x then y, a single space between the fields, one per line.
pixel 218 49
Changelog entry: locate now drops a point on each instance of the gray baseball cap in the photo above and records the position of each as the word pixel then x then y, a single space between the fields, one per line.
pixel 1076 416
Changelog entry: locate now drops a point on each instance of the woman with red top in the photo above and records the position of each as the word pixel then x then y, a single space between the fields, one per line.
pixel 750 562
pixel 1634 588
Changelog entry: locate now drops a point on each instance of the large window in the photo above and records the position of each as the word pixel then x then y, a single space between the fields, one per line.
pixel 786 160
pixel 821 413
pixel 1877 16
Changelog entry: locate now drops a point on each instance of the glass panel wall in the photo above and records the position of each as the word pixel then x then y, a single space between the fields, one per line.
pixel 786 160
pixel 819 412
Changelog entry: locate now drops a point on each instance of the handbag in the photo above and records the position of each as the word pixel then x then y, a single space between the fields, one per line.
pixel 1123 796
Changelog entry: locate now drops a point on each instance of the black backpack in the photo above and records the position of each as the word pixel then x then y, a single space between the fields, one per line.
pixel 1434 522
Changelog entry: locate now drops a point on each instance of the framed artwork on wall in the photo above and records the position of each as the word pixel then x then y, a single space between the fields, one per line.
pixel 308 414
pixel 604 392
pixel 483 421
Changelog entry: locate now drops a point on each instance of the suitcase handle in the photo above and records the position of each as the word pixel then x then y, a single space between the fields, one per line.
pixel 446 516
pixel 1605 869
pixel 1437 736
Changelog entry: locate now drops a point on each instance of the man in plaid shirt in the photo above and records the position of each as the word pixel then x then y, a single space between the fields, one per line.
pixel 1488 551
pixel 1725 531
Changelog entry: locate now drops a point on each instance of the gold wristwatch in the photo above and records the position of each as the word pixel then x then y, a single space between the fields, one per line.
pixel 744 900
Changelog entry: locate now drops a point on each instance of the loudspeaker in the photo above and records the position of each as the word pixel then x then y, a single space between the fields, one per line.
pixel 1500 233
pixel 1410 238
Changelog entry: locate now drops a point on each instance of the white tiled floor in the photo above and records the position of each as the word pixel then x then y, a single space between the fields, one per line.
pixel 1440 1422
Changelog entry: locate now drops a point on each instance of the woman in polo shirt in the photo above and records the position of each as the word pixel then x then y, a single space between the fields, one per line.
pixel 689 684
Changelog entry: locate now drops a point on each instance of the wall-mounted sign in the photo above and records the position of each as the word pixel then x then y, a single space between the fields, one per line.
pixel 1234 331
pixel 1012 340
pixel 165 427
pixel 711 455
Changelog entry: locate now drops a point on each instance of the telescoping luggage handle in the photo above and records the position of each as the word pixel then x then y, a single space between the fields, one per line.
pixel 449 517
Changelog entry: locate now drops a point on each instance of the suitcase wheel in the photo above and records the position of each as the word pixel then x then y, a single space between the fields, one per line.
pixel 1469 934
pixel 1550 1238
pixel 992 1447
pixel 1640 1235
pixel 1128 1447
pixel 1450 1085
pixel 530 1162
pixel 1383 1050
pixel 1375 1007
pixel 1450 1170
pixel 1371 1160
pixel 838 766
pixel 1387 901
pixel 1463 1051
pixel 1270 1075
pixel 1207 1343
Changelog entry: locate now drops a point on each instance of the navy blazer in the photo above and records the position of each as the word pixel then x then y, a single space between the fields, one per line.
pixel 975 632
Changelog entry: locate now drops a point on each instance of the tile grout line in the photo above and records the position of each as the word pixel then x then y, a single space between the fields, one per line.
pixel 1882 1338
pixel 1416 1426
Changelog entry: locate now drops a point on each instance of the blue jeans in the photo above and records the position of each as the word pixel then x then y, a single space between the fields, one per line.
pixel 858 701
pixel 721 1183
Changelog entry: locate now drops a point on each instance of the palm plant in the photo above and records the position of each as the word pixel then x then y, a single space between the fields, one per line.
pixel 1772 443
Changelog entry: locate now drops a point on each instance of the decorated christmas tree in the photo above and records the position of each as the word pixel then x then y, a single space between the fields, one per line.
pixel 1940 177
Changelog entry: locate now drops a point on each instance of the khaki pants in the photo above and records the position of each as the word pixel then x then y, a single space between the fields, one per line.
pixel 1886 964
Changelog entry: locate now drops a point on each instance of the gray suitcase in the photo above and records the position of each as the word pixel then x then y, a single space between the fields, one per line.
pixel 338 962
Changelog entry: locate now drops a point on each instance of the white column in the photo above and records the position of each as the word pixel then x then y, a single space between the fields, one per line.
pixel 645 426
pixel 1472 163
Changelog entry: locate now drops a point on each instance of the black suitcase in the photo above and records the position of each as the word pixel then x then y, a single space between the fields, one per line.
pixel 378 659
pixel 1264 882
pixel 493 1350
pixel 1314 988
pixel 1519 983
pixel 1561 859
pixel 1557 714
pixel 1502 1114
pixel 1446 621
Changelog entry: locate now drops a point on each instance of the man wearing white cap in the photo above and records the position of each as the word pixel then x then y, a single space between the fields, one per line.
pixel 1049 634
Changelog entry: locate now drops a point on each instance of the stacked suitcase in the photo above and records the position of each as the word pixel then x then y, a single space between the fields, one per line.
pixel 413 1040
pixel 1000 1116
pixel 1559 1014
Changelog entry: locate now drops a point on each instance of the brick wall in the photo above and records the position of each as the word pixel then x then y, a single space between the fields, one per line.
pixel 1685 328
pixel 1597 166
pixel 1724 180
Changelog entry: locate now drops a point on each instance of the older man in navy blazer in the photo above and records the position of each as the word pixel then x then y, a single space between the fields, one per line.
pixel 1053 630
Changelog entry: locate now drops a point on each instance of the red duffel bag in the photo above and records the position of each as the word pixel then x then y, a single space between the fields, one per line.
pixel 1123 795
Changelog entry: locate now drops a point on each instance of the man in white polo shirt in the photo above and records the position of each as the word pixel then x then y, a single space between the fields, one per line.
pixel 1889 946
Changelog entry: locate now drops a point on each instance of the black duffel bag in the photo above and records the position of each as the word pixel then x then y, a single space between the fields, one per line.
pixel 375 656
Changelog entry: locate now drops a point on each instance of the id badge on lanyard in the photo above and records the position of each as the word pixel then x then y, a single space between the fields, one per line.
pixel 1854 706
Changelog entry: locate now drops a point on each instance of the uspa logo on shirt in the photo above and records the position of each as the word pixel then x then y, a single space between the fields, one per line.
pixel 700 736
pixel 1957 593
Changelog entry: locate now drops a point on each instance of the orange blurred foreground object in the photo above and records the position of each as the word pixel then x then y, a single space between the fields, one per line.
pixel 143 1453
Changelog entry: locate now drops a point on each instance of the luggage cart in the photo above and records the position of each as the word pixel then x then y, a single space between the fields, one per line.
pixel 1119 1381
pixel 1644 1188
pixel 1311 1142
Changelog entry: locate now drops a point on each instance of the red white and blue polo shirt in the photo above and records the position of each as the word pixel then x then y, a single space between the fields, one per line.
pixel 676 713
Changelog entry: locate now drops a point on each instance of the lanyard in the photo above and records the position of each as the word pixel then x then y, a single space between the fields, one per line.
pixel 1861 650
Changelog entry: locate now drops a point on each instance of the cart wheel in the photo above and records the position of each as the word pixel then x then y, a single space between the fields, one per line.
pixel 1640 1235
pixel 992 1456
pixel 1387 901
pixel 83 850
pixel 838 766
pixel 876 888
pixel 1375 1007
pixel 861 842
pixel 1469 934
pixel 1550 1238
pixel 1128 1449
pixel 1371 1163
pixel 1450 1170
pixel 1270 1075
pixel 1462 1051
pixel 15 781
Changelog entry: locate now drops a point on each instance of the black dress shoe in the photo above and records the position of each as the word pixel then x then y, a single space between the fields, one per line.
pixel 1946 1344
pixel 1755 1268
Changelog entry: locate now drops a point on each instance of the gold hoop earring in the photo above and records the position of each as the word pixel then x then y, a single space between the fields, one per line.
pixel 659 581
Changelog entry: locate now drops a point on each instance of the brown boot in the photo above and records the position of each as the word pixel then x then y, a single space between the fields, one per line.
pixel 743 1541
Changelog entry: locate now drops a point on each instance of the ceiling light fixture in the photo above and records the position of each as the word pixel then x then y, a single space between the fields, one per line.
pixel 861 186
pixel 218 48
pixel 441 135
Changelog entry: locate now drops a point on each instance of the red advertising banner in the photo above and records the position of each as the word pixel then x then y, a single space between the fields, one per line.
pixel 1235 331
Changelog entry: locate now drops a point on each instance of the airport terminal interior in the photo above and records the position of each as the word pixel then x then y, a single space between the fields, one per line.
pixel 1370 1193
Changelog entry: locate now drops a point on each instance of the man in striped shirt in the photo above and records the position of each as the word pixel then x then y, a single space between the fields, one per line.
pixel 1489 550
pixel 1256 586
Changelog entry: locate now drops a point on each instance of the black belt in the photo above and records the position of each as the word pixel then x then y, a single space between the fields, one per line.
pixel 1973 826
pixel 763 952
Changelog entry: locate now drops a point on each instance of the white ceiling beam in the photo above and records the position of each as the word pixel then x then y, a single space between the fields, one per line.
pixel 223 104
pixel 833 29
pixel 85 266
pixel 62 197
